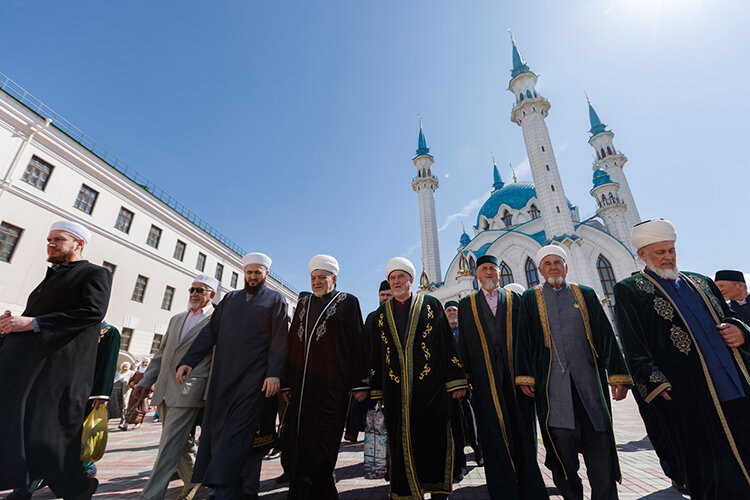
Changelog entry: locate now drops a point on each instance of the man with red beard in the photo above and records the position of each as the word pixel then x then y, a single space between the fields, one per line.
pixel 58 333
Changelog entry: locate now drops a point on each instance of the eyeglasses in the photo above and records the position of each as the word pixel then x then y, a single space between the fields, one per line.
pixel 193 289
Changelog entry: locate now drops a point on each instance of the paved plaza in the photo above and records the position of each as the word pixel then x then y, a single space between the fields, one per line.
pixel 125 467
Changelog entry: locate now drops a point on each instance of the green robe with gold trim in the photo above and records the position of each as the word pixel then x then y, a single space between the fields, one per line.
pixel 662 352
pixel 414 380
pixel 533 361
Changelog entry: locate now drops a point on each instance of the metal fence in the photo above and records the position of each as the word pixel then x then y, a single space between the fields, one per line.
pixel 24 97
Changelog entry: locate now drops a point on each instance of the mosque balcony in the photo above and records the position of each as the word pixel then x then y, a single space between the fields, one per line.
pixel 428 181
pixel 529 106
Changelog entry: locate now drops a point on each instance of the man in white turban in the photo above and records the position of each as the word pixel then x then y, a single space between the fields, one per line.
pixel 40 425
pixel 568 360
pixel 416 361
pixel 327 353
pixel 688 353
pixel 247 334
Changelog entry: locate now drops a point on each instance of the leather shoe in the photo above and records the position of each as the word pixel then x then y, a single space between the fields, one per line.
pixel 680 486
pixel 89 492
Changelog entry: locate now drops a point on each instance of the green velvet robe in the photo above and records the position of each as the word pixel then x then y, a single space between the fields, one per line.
pixel 106 362
pixel 662 352
pixel 533 360
pixel 415 382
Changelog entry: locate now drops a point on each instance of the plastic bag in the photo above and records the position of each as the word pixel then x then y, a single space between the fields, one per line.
pixel 94 437
pixel 376 445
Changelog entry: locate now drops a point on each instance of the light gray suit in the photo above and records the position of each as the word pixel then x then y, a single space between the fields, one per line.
pixel 178 405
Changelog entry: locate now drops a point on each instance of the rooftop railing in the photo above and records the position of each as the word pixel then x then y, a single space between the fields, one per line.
pixel 32 103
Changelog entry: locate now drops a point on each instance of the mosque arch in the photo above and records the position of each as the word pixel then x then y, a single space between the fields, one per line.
pixel 532 276
pixel 609 151
pixel 602 152
pixel 607 279
pixel 506 275
pixel 534 212
pixel 507 218
pixel 528 93
pixel 520 97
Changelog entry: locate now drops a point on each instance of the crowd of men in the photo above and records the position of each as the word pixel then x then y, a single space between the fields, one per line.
pixel 480 371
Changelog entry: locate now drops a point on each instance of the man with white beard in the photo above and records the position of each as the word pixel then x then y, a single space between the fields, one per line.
pixel 688 355
pixel 566 355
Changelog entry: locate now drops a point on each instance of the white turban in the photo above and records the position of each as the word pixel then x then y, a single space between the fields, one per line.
pixel 515 287
pixel 208 281
pixel 325 263
pixel 256 258
pixel 652 231
pixel 73 228
pixel 400 264
pixel 550 250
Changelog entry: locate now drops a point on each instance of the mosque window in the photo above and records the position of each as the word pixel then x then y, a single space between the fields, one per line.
pixel 558 209
pixel 604 200
pixel 532 276
pixel 507 219
pixel 611 199
pixel 607 278
pixel 609 151
pixel 520 97
pixel 552 187
pixel 547 167
pixel 506 275
pixel 37 173
pixel 542 148
pixel 9 236
pixel 602 153
pixel 528 93
pixel 534 212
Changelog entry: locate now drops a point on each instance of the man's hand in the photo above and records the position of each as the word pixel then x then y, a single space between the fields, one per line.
pixel 271 386
pixel 380 404
pixel 732 335
pixel 459 393
pixel 360 395
pixel 619 392
pixel 665 394
pixel 528 390
pixel 141 392
pixel 11 324
pixel 183 373
pixel 96 402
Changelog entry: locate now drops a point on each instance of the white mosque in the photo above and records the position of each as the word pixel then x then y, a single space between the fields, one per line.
pixel 519 218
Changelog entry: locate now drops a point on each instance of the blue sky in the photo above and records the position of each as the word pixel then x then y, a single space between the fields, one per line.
pixel 290 126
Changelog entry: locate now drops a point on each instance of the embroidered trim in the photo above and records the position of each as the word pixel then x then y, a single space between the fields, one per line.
pixel 301 307
pixel 427 330
pixel 393 376
pixel 659 389
pixel 457 384
pixel 621 380
pixel 680 339
pixel 657 376
pixel 380 320
pixel 663 308
pixel 642 390
pixel 456 362
pixel 644 285
pixel 322 328
pixel 430 314
pixel 427 356
pixel 524 380
pixel 424 371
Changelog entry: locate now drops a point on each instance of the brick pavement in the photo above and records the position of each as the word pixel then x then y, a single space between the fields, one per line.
pixel 125 467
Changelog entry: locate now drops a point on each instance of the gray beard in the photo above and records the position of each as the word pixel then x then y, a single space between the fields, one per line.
pixel 666 274
pixel 556 281
pixel 489 284
pixel 453 324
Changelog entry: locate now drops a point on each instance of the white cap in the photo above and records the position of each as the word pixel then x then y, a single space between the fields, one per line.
pixel 515 287
pixel 550 250
pixel 652 231
pixel 207 280
pixel 256 258
pixel 73 228
pixel 400 264
pixel 325 263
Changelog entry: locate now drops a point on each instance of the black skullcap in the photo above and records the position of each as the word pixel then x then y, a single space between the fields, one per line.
pixel 487 258
pixel 384 285
pixel 729 275
pixel 451 303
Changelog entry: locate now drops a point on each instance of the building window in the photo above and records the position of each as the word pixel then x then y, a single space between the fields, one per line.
pixel 507 219
pixel 37 173
pixel 179 250
pixel 534 212
pixel 9 236
pixel 552 187
pixel 219 272
pixel 140 289
pixel 166 302
pixel 607 278
pixel 233 283
pixel 547 167
pixel 558 209
pixel 154 235
pixel 86 199
pixel 124 220
pixel 532 276
pixel 156 343
pixel 126 334
pixel 201 264
pixel 109 267
pixel 506 275
pixel 542 148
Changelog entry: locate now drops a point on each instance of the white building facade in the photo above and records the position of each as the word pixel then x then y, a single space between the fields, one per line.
pixel 519 218
pixel 153 246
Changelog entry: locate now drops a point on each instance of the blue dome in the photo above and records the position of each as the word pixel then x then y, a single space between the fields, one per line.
pixel 601 177
pixel 515 195
pixel 465 239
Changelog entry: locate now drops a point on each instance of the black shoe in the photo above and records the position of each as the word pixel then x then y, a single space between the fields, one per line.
pixel 283 478
pixel 17 495
pixel 680 486
pixel 352 438
pixel 478 458
pixel 273 454
pixel 89 492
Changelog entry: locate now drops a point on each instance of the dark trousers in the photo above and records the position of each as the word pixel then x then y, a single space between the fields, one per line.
pixel 251 474
pixel 459 439
pixel 596 449
pixel 355 419
pixel 737 413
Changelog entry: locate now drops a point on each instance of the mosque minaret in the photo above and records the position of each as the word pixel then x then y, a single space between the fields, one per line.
pixel 425 185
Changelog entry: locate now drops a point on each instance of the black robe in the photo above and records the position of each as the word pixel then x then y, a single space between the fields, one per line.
pixel 662 352
pixel 416 367
pixel 249 337
pixel 105 367
pixel 506 432
pixel 46 378
pixel 327 358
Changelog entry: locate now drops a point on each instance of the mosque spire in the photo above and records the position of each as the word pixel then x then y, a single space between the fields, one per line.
pixel 498 181
pixel 519 65
pixel 597 127
pixel 422 148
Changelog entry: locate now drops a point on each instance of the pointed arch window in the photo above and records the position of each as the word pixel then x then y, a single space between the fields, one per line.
pixel 507 218
pixel 520 97
pixel 534 212
pixel 528 93
pixel 607 278
pixel 609 151
pixel 602 152
pixel 506 275
pixel 532 276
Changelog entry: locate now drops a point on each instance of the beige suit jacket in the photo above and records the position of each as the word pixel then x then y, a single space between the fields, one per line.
pixel 162 370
